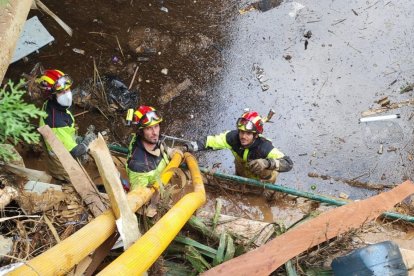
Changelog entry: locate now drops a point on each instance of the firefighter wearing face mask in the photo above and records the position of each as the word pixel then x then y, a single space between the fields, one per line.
pixel 56 87
pixel 147 156
pixel 255 156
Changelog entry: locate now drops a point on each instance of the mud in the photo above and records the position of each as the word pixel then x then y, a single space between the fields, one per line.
pixel 323 63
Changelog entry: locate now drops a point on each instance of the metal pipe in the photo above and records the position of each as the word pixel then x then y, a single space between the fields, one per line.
pixel 291 191
pixel 61 258
pixel 141 255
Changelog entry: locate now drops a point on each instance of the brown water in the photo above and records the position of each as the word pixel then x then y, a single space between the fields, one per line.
pixel 358 51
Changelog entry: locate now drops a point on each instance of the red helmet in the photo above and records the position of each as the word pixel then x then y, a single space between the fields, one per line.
pixel 146 116
pixel 250 121
pixel 54 81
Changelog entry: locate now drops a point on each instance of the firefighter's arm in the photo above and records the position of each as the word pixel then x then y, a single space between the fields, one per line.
pixel 278 161
pixel 215 142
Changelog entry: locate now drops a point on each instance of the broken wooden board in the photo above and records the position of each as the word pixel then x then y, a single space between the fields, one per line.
pixel 245 231
pixel 267 258
pixel 29 173
pixel 126 220
pixel 85 188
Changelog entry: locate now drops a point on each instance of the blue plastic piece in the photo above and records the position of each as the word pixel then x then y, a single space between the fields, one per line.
pixel 377 260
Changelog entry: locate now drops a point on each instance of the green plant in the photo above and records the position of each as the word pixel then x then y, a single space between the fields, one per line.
pixel 15 116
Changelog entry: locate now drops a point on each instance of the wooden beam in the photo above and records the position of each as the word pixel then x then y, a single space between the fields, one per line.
pixel 87 190
pixel 13 15
pixel 100 253
pixel 267 258
pixel 30 174
pixel 126 220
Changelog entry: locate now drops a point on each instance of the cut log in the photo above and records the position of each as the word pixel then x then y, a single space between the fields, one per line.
pixel 267 258
pixel 245 231
pixel 126 220
pixel 85 188
pixel 13 14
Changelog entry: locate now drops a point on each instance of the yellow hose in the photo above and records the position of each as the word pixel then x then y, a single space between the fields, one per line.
pixel 61 258
pixel 141 255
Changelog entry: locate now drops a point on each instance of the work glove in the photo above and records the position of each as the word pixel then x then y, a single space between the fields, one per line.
pixel 89 136
pixel 259 165
pixel 191 147
pixel 172 151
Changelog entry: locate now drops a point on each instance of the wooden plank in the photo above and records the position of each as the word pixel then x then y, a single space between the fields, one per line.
pixel 87 190
pixel 267 258
pixel 126 220
pixel 97 257
pixel 29 173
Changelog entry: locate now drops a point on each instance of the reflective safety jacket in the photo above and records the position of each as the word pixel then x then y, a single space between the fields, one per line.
pixel 62 123
pixel 143 167
pixel 261 148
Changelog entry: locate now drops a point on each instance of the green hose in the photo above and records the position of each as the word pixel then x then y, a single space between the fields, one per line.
pixel 273 187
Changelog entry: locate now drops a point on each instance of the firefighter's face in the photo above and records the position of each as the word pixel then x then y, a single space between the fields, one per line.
pixel 246 138
pixel 152 134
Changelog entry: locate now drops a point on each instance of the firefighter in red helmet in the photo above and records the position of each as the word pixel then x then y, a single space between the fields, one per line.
pixel 147 156
pixel 56 86
pixel 255 156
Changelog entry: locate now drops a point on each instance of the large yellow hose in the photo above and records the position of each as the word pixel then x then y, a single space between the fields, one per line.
pixel 141 255
pixel 61 258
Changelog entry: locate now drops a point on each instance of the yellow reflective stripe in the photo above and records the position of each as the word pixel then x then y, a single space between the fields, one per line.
pixel 139 114
pixel 245 153
pixel 256 119
pixel 47 79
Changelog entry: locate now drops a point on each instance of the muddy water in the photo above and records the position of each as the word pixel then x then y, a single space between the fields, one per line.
pixel 356 52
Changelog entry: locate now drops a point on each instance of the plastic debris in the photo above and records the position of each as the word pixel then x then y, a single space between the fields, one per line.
pixel 78 51
pixel 379 118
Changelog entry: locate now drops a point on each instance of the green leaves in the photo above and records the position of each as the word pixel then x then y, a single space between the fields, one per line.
pixel 15 117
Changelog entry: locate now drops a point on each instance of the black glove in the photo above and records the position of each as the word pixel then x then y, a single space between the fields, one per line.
pixel 191 147
pixel 259 165
pixel 89 137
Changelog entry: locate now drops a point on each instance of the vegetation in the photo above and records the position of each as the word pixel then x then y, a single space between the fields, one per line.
pixel 15 116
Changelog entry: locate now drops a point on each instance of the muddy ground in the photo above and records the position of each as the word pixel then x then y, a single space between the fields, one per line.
pixel 318 64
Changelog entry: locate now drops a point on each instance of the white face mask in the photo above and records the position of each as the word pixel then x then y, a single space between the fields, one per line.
pixel 65 99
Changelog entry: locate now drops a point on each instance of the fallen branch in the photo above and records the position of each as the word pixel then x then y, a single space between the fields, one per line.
pixel 15 217
pixel 384 109
pixel 352 182
pixel 55 17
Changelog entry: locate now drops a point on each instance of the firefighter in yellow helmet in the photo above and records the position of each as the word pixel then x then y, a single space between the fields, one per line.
pixel 56 86
pixel 147 156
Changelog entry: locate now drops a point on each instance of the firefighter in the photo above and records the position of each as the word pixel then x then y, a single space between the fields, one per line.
pixel 56 85
pixel 255 156
pixel 147 156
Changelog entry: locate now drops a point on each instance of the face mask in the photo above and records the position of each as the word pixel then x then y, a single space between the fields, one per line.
pixel 65 99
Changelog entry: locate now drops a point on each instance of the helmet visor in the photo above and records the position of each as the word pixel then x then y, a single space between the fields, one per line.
pixel 246 125
pixel 63 83
pixel 150 118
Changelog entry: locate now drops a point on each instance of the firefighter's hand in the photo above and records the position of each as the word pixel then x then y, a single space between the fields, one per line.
pixel 89 137
pixel 191 147
pixel 258 165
